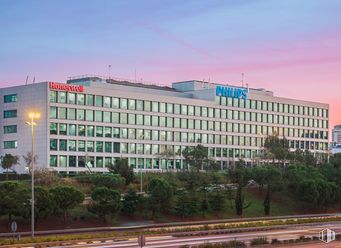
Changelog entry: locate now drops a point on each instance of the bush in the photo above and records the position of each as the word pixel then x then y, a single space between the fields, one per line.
pixel 259 241
pixel 98 180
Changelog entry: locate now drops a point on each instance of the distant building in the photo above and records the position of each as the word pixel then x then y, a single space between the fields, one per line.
pixel 336 149
pixel 336 135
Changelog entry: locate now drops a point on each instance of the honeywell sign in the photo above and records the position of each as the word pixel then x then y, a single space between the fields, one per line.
pixel 66 87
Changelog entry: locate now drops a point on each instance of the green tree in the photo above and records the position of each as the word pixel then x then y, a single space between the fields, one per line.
pixel 8 161
pixel 14 200
pixel 196 157
pixel 217 201
pixel 335 160
pixel 105 202
pixel 161 194
pixel 122 168
pixel 240 176
pixel 66 198
pixel 186 204
pixel 131 201
pixel 44 203
pixel 276 148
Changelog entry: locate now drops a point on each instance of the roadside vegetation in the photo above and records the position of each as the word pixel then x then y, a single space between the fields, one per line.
pixel 284 183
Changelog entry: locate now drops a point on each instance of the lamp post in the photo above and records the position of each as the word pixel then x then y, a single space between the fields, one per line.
pixel 32 116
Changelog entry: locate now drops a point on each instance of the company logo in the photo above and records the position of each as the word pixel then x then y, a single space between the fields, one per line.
pixel 327 235
pixel 231 92
pixel 66 87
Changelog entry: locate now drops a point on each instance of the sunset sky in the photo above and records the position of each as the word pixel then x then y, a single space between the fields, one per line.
pixel 291 47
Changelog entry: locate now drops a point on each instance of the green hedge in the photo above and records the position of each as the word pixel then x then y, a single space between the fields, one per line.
pixel 106 180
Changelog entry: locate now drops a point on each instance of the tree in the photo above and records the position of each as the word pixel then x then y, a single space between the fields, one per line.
pixel 161 194
pixel 186 204
pixel 122 168
pixel 196 157
pixel 14 200
pixel 130 202
pixel 269 176
pixel 105 202
pixel 276 148
pixel 167 154
pixel 66 198
pixel 44 203
pixel 28 160
pixel 240 176
pixel 8 161
pixel 335 160
pixel 217 201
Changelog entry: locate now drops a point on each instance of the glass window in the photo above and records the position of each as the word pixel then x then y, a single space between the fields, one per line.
pixel 147 106
pixel 62 145
pixel 99 115
pixel 99 146
pixel 124 103
pixel 107 116
pixel 90 131
pixel 61 97
pixel 62 113
pixel 190 110
pixel 155 107
pixel 99 131
pixel 107 102
pixel 53 128
pixel 81 130
pixel 184 109
pixel 72 114
pixel 117 147
pixel 80 99
pixel 169 108
pixel 81 145
pixel 72 98
pixel 72 130
pixel 53 96
pixel 139 105
pixel 80 114
pixel 147 120
pixel 53 113
pixel 62 161
pixel 107 132
pixel 162 107
pixel 99 162
pixel 10 113
pixel 132 104
pixel 62 129
pixel 53 144
pixel 72 161
pixel 139 119
pixel 90 100
pixel 10 98
pixel 177 109
pixel 116 132
pixel 99 101
pixel 90 146
pixel 12 144
pixel 124 118
pixel 131 119
pixel 116 103
pixel 107 147
pixel 53 160
pixel 89 115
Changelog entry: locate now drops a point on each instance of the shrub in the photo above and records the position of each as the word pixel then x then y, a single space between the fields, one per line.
pixel 98 180
pixel 259 241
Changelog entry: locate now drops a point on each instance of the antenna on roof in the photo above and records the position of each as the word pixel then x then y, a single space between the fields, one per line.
pixel 26 79
pixel 135 75
pixel 109 69
pixel 243 79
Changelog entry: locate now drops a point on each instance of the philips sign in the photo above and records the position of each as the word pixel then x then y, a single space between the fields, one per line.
pixel 231 92
pixel 66 87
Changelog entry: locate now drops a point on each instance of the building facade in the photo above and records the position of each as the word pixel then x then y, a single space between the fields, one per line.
pixel 336 135
pixel 88 122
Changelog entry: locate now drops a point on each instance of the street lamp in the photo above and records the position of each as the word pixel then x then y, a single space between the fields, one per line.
pixel 32 116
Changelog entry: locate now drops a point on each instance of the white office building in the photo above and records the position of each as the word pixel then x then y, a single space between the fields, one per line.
pixel 90 121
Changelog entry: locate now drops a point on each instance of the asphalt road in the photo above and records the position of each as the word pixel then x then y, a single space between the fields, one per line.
pixel 164 241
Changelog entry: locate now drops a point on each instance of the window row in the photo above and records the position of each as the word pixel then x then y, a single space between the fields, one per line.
pixel 162 121
pixel 157 149
pixel 147 134
pixel 154 106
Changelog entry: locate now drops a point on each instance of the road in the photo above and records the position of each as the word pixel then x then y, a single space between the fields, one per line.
pixel 166 241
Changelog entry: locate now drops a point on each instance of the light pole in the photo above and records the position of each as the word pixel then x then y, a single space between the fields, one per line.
pixel 32 116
